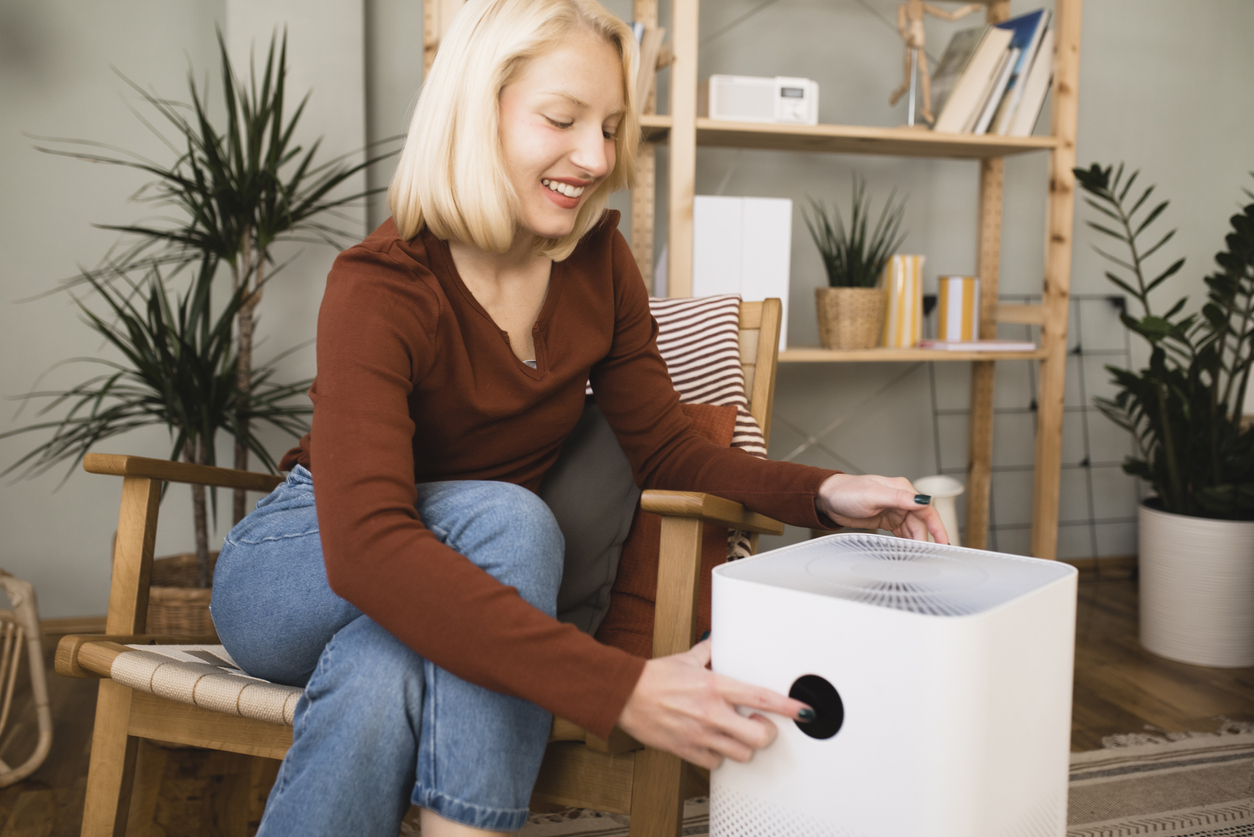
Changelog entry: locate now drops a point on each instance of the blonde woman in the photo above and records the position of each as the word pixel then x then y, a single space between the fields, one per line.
pixel 415 596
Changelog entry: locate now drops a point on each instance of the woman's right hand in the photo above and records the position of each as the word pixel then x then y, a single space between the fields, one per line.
pixel 682 707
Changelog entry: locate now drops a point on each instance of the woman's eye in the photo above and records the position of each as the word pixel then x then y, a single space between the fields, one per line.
pixel 558 123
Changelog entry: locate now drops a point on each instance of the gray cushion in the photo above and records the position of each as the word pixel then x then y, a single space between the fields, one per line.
pixel 593 496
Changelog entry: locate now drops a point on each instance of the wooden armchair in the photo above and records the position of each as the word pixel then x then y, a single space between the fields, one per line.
pixel 183 703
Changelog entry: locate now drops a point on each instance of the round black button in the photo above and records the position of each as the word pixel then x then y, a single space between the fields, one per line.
pixel 825 700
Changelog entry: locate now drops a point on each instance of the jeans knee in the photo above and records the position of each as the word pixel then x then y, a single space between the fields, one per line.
pixel 509 532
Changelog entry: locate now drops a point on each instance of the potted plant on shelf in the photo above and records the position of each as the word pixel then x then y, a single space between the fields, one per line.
pixel 238 183
pixel 851 309
pixel 1196 534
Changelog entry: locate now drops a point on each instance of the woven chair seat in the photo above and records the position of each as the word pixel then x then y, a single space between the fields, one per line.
pixel 204 676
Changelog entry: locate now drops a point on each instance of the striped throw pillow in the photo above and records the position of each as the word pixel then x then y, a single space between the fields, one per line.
pixel 699 338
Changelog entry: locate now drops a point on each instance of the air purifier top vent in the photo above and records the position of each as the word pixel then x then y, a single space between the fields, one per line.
pixel 899 574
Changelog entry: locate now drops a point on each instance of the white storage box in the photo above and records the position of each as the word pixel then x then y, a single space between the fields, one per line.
pixel 942 679
pixel 743 246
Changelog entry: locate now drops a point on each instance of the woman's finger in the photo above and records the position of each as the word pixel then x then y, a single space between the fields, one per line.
pixel 936 527
pixel 757 697
pixel 747 732
pixel 702 757
pixel 915 528
pixel 728 747
pixel 700 653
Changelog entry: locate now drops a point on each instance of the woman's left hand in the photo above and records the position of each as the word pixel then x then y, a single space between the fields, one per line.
pixel 871 502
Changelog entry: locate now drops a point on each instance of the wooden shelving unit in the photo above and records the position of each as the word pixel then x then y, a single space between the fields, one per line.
pixel 683 132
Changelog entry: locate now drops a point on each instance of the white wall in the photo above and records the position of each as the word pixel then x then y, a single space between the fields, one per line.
pixel 1162 86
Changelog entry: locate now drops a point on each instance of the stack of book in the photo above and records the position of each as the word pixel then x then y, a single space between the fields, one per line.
pixel 649 39
pixel 993 79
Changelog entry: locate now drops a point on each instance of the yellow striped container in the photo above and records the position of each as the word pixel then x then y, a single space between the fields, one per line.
pixel 959 310
pixel 903 312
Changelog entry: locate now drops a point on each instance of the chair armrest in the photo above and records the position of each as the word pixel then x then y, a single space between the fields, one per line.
pixel 91 655
pixel 709 508
pixel 168 471
pixel 619 741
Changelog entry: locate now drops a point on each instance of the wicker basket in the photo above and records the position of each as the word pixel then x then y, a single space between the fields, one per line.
pixel 849 318
pixel 175 604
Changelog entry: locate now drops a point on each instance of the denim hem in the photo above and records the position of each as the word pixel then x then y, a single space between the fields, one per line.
pixel 468 813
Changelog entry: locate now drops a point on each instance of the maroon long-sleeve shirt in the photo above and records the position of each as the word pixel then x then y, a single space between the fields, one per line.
pixel 416 383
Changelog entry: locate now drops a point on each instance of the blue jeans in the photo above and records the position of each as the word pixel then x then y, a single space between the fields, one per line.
pixel 380 727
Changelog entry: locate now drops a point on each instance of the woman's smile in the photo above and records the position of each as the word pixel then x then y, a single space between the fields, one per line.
pixel 563 192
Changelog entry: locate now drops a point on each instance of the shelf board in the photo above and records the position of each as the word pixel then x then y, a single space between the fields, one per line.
pixel 817 355
pixel 847 139
pixel 656 126
pixel 856 139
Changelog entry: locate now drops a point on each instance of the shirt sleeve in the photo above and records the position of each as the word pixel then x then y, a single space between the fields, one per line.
pixel 635 393
pixel 376 337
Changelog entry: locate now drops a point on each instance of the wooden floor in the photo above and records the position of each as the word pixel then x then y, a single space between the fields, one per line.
pixel 1119 688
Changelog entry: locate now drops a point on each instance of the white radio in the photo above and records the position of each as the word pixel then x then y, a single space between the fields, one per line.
pixel 757 99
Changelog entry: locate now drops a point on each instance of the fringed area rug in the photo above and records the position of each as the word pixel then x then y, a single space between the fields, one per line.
pixel 1165 785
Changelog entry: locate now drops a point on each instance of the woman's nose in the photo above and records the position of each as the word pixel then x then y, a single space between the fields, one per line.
pixel 593 153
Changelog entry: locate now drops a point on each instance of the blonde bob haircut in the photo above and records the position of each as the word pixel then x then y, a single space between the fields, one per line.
pixel 451 176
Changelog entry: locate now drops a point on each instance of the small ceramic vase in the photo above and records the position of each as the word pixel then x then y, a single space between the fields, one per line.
pixel 958 318
pixel 903 309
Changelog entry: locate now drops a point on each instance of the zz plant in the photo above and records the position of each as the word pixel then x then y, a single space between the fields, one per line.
pixel 1184 408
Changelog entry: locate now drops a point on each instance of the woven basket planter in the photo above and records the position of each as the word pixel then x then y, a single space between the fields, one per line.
pixel 175 604
pixel 849 318
pixel 1196 588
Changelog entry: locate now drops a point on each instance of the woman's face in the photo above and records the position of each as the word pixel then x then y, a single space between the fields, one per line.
pixel 558 121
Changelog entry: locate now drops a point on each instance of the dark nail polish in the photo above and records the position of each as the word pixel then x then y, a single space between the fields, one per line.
pixel 806 715
pixel 704 636
pixel 923 499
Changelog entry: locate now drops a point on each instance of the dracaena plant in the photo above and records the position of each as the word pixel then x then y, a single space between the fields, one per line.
pixel 1184 408
pixel 237 184
pixel 853 256
pixel 237 181
pixel 173 364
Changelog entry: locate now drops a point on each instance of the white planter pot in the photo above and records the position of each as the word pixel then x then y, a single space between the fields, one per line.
pixel 1197 588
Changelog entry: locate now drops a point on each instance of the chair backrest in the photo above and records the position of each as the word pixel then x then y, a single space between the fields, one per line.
pixel 759 356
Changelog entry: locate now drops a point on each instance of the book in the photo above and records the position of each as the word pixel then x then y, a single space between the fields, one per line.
pixel 970 89
pixel 650 39
pixel 953 62
pixel 979 345
pixel 1034 89
pixel 995 93
pixel 1028 29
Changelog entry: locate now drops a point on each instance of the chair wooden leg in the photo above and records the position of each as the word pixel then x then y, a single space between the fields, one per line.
pixel 657 803
pixel 112 767
pixel 233 803
pixel 262 777
pixel 150 764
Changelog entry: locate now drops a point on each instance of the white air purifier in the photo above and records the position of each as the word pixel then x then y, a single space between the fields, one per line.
pixel 942 681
